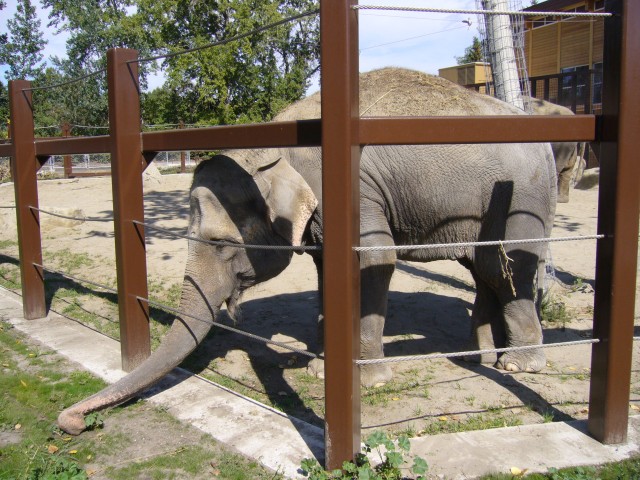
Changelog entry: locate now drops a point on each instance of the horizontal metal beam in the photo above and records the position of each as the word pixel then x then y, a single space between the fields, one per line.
pixel 485 129
pixel 45 147
pixel 6 150
pixel 373 131
pixel 302 133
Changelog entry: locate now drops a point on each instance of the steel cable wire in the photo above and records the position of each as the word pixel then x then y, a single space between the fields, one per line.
pixel 77 279
pixel 432 356
pixel 67 217
pixel 483 12
pixel 227 327
pixel 68 82
pixel 229 40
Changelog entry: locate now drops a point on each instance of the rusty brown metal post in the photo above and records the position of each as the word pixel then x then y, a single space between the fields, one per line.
pixel 619 205
pixel 183 166
pixel 24 169
pixel 126 178
pixel 341 226
pixel 66 160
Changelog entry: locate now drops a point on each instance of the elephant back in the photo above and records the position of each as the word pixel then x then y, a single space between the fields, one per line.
pixel 398 92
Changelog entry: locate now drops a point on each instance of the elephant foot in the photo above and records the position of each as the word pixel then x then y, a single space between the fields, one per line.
pixel 375 375
pixel 72 422
pixel 484 358
pixel 316 368
pixel 370 375
pixel 523 361
pixel 563 198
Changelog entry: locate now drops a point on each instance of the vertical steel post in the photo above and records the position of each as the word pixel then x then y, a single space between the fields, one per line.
pixel 183 167
pixel 341 226
pixel 24 170
pixel 619 205
pixel 66 159
pixel 126 178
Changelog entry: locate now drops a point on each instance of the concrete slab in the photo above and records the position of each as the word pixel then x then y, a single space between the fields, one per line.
pixel 280 442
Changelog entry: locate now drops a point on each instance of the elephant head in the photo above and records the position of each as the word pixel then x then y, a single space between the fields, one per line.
pixel 257 200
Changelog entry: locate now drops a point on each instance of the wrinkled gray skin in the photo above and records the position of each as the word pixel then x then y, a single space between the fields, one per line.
pixel 565 153
pixel 409 195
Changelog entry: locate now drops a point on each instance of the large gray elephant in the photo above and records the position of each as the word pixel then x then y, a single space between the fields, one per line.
pixel 409 195
pixel 565 153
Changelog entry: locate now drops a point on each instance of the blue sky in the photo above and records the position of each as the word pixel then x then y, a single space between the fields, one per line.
pixel 423 41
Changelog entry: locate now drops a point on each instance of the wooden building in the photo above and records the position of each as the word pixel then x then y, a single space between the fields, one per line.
pixel 564 54
pixel 466 73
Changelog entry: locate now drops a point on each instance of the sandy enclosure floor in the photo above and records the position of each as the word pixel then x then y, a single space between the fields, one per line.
pixel 429 311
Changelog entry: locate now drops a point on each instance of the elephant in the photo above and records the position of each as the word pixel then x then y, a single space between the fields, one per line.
pixel 565 153
pixel 410 195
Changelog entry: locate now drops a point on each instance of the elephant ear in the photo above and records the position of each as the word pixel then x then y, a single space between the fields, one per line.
pixel 289 198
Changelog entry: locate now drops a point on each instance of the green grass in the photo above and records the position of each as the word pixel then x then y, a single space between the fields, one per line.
pixel 445 424
pixel 34 387
pixel 624 470
pixel 30 404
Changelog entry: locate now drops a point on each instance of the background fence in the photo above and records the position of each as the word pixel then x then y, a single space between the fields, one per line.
pixel 341 133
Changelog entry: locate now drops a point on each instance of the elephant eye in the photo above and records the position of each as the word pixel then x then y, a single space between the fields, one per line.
pixel 225 248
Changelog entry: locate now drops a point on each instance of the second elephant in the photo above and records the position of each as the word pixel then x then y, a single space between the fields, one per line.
pixel 564 153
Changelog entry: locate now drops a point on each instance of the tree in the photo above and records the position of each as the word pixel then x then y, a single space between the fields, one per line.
pixel 246 80
pixel 4 110
pixel 21 50
pixel 472 53
pixel 3 36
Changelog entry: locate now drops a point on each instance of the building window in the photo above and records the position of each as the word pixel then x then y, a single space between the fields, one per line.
pixel 543 21
pixel 596 92
pixel 575 85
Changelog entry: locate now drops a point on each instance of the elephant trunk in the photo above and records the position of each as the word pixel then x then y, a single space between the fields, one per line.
pixel 183 337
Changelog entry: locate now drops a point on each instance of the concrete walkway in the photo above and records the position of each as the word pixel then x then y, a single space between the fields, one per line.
pixel 280 442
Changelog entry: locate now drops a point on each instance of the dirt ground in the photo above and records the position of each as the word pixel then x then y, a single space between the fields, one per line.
pixel 429 311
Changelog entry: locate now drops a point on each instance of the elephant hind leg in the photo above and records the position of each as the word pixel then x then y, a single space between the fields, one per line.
pixel 521 320
pixel 522 331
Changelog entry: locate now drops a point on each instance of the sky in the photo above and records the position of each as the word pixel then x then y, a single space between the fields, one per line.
pixel 422 41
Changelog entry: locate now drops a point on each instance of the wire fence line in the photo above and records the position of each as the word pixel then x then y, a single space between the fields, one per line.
pixel 489 243
pixel 378 248
pixel 319 247
pixel 228 244
pixel 470 353
pixel 229 40
pixel 68 82
pixel 77 279
pixel 483 12
pixel 68 217
pixel 432 356
pixel 252 336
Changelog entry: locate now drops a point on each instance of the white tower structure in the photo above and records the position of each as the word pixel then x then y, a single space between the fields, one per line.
pixel 503 43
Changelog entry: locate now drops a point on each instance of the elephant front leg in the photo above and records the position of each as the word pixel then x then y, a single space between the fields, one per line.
pixel 488 325
pixel 316 365
pixel 374 281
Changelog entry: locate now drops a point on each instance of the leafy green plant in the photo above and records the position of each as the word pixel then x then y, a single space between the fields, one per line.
pixel 391 455
pixel 94 420
pixel 554 311
pixel 58 468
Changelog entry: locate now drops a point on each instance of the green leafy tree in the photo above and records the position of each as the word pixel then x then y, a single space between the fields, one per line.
pixel 21 48
pixel 246 80
pixel 3 36
pixel 472 53
pixel 4 110
pixel 94 26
